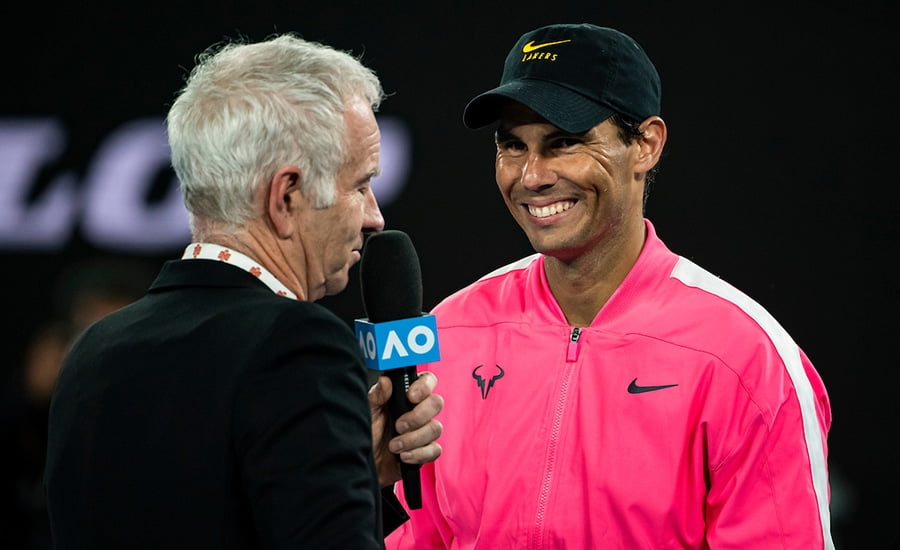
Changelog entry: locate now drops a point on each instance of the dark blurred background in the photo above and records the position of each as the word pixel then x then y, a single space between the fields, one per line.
pixel 779 177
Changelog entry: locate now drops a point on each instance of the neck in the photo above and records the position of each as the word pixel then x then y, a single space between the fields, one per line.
pixel 583 285
pixel 262 248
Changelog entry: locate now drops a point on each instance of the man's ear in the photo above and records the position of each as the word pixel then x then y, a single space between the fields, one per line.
pixel 284 199
pixel 651 144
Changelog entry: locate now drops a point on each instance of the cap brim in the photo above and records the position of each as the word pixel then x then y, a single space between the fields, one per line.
pixel 560 106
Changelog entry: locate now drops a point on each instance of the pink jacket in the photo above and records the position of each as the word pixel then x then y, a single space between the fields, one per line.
pixel 683 417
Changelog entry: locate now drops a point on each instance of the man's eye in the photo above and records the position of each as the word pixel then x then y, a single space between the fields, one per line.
pixel 511 145
pixel 567 142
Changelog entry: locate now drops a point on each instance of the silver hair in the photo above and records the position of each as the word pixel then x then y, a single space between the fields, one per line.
pixel 248 109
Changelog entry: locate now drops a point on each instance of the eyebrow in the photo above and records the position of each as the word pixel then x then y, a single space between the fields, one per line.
pixel 368 176
pixel 503 134
pixel 373 173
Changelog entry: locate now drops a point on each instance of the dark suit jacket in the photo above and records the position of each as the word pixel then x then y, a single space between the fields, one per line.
pixel 212 413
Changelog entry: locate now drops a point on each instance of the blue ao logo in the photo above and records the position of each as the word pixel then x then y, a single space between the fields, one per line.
pixel 400 343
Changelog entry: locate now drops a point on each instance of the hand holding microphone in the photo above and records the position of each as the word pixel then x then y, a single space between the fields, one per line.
pixel 396 335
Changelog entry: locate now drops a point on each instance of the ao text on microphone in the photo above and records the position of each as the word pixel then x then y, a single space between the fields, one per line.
pixel 400 343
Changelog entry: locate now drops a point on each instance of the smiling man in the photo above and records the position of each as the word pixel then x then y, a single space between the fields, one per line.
pixel 606 392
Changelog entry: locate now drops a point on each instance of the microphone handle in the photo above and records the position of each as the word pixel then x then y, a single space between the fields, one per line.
pixel 397 405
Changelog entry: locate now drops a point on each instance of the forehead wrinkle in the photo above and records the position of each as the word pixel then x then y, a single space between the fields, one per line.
pixel 505 132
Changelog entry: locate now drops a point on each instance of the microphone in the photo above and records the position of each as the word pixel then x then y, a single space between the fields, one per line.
pixel 396 335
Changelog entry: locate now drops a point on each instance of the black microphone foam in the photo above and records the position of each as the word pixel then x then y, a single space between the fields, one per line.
pixel 391 277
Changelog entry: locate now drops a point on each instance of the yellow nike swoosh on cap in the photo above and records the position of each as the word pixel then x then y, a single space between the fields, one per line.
pixel 530 47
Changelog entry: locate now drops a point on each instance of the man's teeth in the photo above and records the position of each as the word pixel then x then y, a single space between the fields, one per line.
pixel 555 208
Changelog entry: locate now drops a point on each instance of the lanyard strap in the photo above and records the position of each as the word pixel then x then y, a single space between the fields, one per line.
pixel 209 251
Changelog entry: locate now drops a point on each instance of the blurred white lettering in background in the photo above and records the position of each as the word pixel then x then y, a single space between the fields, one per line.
pixel 42 203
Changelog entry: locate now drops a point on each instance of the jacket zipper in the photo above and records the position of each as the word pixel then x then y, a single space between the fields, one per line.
pixel 572 352
pixel 555 428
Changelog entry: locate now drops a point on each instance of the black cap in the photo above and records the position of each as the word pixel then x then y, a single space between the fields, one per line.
pixel 575 76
